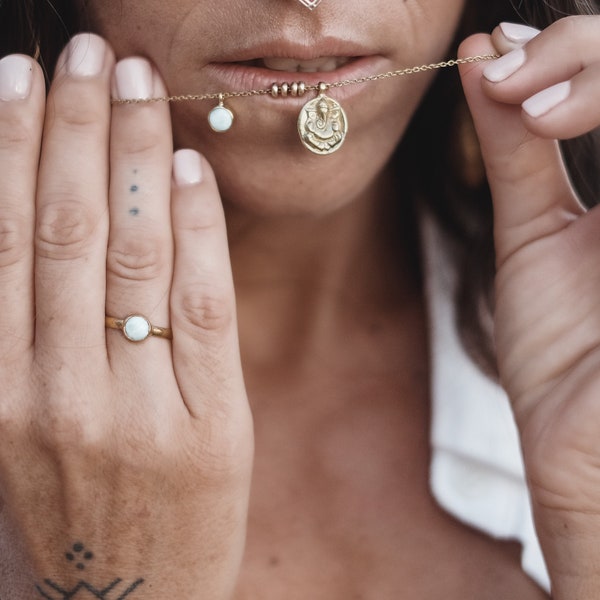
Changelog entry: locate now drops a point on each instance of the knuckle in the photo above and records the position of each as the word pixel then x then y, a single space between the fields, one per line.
pixel 61 432
pixel 570 26
pixel 15 413
pixel 57 428
pixel 11 421
pixel 137 259
pixel 16 132
pixel 76 111
pixel 62 427
pixel 204 216
pixel 225 451
pixel 65 228
pixel 143 140
pixel 205 308
pixel 15 238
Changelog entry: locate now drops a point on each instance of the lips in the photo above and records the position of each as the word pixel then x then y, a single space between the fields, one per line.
pixel 323 55
pixel 285 60
pixel 323 64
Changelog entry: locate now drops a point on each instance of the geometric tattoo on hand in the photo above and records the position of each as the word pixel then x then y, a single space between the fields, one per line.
pixel 80 558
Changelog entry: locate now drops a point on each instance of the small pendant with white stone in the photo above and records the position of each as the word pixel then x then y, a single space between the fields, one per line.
pixel 220 118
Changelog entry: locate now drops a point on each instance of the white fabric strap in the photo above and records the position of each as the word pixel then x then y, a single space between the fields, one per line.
pixel 477 472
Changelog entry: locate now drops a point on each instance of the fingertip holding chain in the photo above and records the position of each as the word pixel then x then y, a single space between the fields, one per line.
pixel 322 124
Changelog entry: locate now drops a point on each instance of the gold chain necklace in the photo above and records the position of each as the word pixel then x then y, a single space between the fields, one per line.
pixel 322 122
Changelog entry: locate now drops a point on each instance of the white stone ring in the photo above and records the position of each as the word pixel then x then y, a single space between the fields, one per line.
pixel 136 328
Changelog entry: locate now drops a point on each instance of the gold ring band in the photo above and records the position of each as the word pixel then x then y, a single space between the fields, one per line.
pixel 137 328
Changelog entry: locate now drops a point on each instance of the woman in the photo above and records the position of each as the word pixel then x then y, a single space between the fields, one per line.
pixel 125 468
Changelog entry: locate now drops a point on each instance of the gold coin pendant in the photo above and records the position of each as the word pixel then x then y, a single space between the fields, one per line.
pixel 322 125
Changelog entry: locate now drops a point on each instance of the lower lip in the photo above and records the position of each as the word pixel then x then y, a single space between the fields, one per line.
pixel 233 77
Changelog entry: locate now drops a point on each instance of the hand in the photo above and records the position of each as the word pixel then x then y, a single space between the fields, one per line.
pixel 548 278
pixel 120 464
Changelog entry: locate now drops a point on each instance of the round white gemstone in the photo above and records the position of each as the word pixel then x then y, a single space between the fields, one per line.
pixel 220 118
pixel 136 328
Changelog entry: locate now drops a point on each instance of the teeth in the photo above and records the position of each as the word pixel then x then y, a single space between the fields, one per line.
pixel 324 64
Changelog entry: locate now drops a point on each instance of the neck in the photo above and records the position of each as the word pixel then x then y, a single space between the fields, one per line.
pixel 301 281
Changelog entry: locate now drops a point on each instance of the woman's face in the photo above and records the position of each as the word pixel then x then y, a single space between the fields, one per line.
pixel 203 46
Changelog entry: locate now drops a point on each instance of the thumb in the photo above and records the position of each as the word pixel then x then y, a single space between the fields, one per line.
pixel 531 190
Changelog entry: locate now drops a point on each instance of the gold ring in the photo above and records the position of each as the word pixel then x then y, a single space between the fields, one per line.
pixel 136 328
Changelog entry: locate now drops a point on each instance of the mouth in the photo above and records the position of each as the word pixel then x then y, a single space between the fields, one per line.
pixel 326 60
pixel 323 64
pixel 262 73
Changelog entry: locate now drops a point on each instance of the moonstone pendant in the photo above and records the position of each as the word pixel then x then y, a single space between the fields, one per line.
pixel 310 3
pixel 322 124
pixel 220 118
pixel 136 328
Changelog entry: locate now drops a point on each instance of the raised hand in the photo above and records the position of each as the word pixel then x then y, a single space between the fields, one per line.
pixel 124 467
pixel 548 279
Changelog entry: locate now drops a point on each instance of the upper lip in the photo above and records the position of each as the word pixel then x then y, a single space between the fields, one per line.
pixel 323 47
pixel 323 64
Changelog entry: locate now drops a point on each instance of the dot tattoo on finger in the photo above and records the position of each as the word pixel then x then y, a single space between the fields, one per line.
pixel 134 186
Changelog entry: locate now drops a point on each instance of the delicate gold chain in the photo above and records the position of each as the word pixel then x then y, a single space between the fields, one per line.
pixel 337 84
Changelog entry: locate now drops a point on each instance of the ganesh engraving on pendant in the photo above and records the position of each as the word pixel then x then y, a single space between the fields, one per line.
pixel 322 125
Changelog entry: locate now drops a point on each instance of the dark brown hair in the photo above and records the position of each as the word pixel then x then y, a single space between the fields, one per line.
pixel 457 196
pixel 40 28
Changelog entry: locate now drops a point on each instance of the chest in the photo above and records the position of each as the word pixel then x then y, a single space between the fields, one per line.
pixel 341 507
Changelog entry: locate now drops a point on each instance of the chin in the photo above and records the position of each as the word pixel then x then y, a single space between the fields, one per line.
pixel 269 173
pixel 315 187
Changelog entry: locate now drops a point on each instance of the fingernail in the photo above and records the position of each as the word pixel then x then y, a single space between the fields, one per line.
pixel 133 79
pixel 546 100
pixel 187 168
pixel 502 68
pixel 85 55
pixel 517 33
pixel 16 76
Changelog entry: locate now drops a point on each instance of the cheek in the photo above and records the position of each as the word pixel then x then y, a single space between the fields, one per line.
pixel 146 28
pixel 437 23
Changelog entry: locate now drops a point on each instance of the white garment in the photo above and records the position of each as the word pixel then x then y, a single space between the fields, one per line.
pixel 477 470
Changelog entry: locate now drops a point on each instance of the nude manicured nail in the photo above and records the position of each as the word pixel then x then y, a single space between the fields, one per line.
pixel 546 100
pixel 517 33
pixel 85 55
pixel 133 79
pixel 16 76
pixel 502 68
pixel 187 168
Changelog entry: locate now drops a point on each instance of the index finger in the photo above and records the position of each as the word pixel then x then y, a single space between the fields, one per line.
pixel 72 199
pixel 532 193
pixel 22 100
